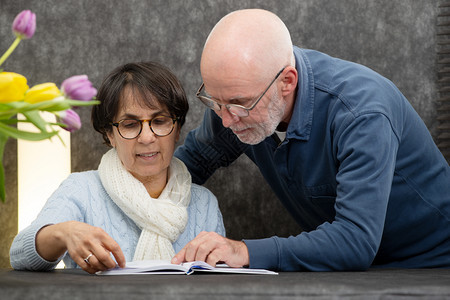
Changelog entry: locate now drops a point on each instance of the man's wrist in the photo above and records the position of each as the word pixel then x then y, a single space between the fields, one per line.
pixel 244 254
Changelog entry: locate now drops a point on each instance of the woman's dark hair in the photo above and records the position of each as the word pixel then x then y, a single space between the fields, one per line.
pixel 153 84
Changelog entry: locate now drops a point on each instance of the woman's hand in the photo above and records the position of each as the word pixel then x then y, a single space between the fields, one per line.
pixel 80 240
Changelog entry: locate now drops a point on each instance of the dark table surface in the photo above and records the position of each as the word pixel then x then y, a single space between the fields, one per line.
pixel 371 284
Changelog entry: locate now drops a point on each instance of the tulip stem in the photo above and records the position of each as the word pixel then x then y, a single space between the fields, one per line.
pixel 10 50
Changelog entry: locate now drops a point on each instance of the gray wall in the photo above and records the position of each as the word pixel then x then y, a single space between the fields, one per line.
pixel 394 37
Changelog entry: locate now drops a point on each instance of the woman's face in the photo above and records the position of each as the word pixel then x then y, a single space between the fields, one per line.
pixel 148 156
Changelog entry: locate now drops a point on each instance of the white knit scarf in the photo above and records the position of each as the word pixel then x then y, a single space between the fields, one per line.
pixel 163 219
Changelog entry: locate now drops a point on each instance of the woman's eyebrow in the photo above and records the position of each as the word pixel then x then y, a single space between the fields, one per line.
pixel 133 116
pixel 128 116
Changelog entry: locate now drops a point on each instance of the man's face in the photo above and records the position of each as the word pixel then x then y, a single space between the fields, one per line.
pixel 262 120
pixel 260 123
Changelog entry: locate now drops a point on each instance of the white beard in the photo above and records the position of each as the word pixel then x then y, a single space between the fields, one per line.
pixel 258 132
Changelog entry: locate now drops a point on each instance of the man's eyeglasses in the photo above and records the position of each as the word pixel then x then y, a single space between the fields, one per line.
pixel 131 128
pixel 235 109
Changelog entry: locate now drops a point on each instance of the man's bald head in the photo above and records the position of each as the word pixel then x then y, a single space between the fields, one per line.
pixel 251 40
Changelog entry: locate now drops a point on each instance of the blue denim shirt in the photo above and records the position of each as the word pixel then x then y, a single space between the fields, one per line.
pixel 358 171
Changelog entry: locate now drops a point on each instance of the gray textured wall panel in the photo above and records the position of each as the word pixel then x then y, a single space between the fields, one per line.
pixel 396 38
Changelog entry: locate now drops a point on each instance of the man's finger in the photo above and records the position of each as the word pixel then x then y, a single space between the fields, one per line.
pixel 213 258
pixel 191 249
pixel 179 257
pixel 197 249
pixel 206 248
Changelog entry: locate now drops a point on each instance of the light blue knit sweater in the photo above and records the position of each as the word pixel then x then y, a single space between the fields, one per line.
pixel 81 197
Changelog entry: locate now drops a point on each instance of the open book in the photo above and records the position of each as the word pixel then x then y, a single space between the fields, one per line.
pixel 165 267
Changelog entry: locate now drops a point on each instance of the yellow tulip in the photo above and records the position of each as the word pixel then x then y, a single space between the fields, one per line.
pixel 12 87
pixel 42 92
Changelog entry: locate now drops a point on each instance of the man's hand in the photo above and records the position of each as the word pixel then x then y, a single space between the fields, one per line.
pixel 214 248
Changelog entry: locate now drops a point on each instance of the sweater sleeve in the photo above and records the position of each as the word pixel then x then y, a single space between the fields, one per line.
pixel 213 220
pixel 204 215
pixel 23 254
pixel 63 205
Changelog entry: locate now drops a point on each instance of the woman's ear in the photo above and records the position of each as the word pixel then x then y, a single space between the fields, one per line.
pixel 177 132
pixel 289 80
pixel 110 136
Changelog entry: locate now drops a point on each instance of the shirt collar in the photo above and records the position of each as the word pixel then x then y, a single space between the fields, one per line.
pixel 302 116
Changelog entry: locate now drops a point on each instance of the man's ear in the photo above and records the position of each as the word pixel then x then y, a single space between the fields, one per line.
pixel 289 79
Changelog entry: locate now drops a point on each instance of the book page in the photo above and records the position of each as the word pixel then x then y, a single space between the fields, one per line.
pixel 147 267
pixel 223 268
pixel 187 268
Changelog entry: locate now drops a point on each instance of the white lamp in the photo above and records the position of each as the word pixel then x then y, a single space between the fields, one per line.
pixel 42 166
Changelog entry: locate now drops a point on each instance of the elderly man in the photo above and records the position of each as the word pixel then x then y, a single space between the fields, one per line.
pixel 339 144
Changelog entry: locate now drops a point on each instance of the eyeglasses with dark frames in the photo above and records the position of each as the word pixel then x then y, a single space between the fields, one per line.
pixel 131 128
pixel 234 109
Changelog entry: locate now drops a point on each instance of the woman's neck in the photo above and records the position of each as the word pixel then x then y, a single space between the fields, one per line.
pixel 154 184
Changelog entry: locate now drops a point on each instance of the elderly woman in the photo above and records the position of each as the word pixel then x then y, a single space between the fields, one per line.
pixel 140 204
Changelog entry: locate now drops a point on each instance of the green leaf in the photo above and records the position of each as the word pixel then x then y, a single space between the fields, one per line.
pixel 56 107
pixel 82 103
pixel 3 139
pixel 13 105
pixel 7 110
pixel 25 135
pixel 12 121
pixel 51 105
pixel 35 117
pixel 62 102
pixel 62 141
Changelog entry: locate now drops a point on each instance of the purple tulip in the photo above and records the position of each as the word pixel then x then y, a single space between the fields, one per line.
pixel 71 119
pixel 78 88
pixel 24 24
